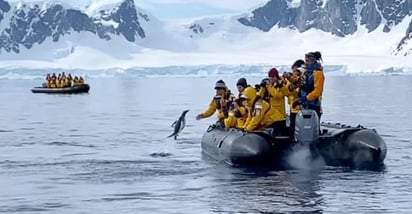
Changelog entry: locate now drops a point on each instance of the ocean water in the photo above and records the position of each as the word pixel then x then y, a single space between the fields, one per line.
pixel 107 151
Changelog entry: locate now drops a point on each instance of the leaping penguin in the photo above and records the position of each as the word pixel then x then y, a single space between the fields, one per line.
pixel 179 124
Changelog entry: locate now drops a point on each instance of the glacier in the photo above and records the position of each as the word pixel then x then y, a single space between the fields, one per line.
pixel 200 71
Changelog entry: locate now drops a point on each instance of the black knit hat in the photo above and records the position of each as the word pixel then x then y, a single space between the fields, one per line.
pixel 298 63
pixel 242 82
pixel 220 84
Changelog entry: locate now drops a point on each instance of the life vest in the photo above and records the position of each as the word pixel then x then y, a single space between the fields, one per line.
pixel 223 103
pixel 309 86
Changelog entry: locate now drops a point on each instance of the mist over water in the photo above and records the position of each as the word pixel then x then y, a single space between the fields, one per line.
pixel 107 151
pixel 303 158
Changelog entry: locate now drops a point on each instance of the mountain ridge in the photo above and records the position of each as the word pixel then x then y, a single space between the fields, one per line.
pixel 23 26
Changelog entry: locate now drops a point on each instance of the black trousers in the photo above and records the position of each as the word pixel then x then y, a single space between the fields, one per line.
pixel 279 128
pixel 292 119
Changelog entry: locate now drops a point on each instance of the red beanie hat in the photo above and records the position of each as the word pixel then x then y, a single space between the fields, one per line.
pixel 273 73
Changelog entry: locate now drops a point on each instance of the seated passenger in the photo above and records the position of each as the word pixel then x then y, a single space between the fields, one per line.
pixel 237 115
pixel 66 82
pixel 53 83
pixel 70 80
pixel 46 84
pixel 241 85
pixel 81 80
pixel 237 112
pixel 259 116
pixel 75 81
pixel 220 103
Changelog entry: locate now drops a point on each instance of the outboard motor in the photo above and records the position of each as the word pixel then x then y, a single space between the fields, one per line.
pixel 305 153
pixel 306 127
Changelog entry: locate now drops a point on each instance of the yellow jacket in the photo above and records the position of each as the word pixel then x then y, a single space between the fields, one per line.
pixel 244 114
pixel 277 101
pixel 219 104
pixel 231 121
pixel 53 84
pixel 59 83
pixel 236 121
pixel 259 117
pixel 292 97
pixel 319 80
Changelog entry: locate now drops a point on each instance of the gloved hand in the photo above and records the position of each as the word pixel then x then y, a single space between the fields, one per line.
pixel 300 101
pixel 291 87
pixel 279 84
pixel 199 116
pixel 296 103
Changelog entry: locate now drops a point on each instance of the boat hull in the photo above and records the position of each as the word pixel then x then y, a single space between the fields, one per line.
pixel 338 146
pixel 84 88
pixel 235 147
pixel 351 146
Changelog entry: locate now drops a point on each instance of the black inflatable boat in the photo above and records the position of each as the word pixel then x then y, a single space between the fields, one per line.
pixel 336 144
pixel 84 88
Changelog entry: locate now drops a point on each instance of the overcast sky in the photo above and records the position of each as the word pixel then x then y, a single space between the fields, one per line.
pixel 176 9
pixel 173 9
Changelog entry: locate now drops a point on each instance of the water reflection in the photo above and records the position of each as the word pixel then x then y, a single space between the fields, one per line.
pixel 245 190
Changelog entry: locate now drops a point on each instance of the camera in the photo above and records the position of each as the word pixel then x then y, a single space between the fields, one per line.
pixel 257 87
pixel 264 83
pixel 279 84
pixel 287 75
pixel 300 82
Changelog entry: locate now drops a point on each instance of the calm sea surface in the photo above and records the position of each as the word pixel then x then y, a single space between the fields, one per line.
pixel 106 151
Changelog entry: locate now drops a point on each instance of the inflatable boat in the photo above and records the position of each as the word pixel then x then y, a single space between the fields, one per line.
pixel 84 88
pixel 335 144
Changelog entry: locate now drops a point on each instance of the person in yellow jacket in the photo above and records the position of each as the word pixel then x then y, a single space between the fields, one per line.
pixel 59 82
pixel 237 112
pixel 70 80
pixel 81 80
pixel 294 82
pixel 310 94
pixel 220 103
pixel 47 83
pixel 259 115
pixel 277 91
pixel 53 83
pixel 75 81
pixel 237 115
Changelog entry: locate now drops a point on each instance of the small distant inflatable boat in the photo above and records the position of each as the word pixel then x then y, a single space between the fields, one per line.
pixel 84 88
pixel 336 144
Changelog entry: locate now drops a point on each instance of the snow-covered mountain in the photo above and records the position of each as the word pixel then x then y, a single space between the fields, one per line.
pixel 54 29
pixel 117 33
pixel 338 17
pixel 33 24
